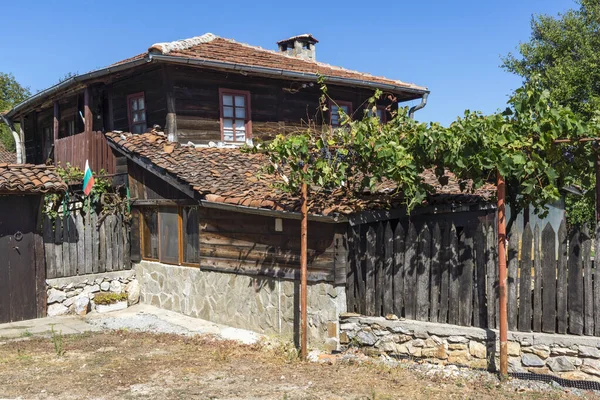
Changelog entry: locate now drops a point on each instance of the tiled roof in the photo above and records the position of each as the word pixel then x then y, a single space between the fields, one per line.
pixel 215 48
pixel 6 156
pixel 227 175
pixel 28 178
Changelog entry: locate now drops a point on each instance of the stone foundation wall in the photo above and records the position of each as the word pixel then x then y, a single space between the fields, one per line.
pixel 75 295
pixel 565 356
pixel 262 304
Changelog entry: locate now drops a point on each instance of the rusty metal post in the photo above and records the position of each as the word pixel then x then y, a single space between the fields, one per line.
pixel 502 276
pixel 303 270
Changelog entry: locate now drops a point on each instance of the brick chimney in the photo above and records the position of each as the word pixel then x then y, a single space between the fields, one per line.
pixel 301 46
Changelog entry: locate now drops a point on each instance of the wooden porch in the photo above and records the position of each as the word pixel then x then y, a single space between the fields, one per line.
pixel 91 146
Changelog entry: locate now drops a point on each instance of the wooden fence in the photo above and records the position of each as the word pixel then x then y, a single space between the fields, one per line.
pixel 442 273
pixel 91 146
pixel 76 245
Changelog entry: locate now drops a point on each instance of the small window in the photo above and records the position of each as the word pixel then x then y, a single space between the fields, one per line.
pixel 191 235
pixel 381 113
pixel 136 109
pixel 334 110
pixel 169 235
pixel 236 126
pixel 149 233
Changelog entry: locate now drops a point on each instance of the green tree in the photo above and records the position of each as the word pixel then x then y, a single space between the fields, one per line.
pixel 563 53
pixel 11 93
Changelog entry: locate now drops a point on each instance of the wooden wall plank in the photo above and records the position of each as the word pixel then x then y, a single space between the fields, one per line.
pixel 94 240
pixel 388 269
pixel 561 284
pixel 466 281
pixel 398 269
pixel 454 276
pixel 81 250
pixel 537 281
pixel 524 321
pixel 548 279
pixel 66 262
pixel 73 244
pixel 351 278
pixel 102 247
pixel 87 233
pixel 513 280
pixel 423 273
pixel 588 301
pixel 434 293
pixel 575 284
pixel 370 265
pixel 58 271
pixel 410 275
pixel 48 237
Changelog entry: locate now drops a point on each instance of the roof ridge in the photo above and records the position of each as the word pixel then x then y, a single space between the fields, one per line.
pixel 182 44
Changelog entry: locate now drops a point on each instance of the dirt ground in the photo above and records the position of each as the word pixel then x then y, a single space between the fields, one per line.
pixel 129 365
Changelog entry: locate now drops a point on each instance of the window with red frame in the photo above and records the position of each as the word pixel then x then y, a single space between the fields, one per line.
pixel 136 109
pixel 334 112
pixel 235 115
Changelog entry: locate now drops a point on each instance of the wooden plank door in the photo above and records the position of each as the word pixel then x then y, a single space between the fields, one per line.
pixel 17 265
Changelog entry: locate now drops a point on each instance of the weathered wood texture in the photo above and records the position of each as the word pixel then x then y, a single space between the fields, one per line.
pixel 74 245
pixel 91 146
pixel 439 272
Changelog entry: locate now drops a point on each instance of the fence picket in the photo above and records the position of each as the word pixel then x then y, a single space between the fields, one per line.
pixel 74 267
pixel 444 274
pixel 524 324
pixel 575 285
pixel 93 228
pixel 491 281
pixel 379 278
pixel 410 267
pixel 48 236
pixel 537 281
pixel 597 282
pixel 370 269
pixel 513 277
pixel 80 224
pixel 388 260
pixel 561 284
pixel 398 269
pixel 453 278
pixel 360 271
pixel 434 297
pixel 548 279
pixel 479 289
pixel 351 278
pixel 58 271
pixel 66 262
pixel 423 272
pixel 588 303
pixel 466 277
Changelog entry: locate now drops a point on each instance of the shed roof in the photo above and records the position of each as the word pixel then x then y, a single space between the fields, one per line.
pixel 227 175
pixel 28 178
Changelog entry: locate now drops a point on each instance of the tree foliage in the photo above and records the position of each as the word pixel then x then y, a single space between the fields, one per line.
pixel 11 93
pixel 563 55
pixel 518 143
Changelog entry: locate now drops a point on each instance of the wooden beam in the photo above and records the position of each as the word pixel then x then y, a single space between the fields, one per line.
pixel 87 110
pixel 171 121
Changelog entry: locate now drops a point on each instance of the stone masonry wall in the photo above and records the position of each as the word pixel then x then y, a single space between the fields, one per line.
pixel 565 356
pixel 75 295
pixel 264 305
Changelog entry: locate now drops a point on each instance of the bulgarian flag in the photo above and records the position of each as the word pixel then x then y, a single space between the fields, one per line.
pixel 88 179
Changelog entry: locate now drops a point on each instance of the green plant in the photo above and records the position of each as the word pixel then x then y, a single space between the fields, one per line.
pixel 109 298
pixel 27 333
pixel 57 341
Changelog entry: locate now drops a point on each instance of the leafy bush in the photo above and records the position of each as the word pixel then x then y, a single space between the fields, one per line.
pixel 109 298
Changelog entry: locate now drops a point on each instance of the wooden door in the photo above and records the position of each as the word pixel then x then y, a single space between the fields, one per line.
pixel 18 216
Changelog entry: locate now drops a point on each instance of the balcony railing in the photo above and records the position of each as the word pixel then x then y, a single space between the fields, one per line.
pixel 91 146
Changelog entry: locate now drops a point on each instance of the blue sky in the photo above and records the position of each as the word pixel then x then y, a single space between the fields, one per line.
pixel 452 47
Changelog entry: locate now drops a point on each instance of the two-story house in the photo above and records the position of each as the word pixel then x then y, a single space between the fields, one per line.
pixel 208 237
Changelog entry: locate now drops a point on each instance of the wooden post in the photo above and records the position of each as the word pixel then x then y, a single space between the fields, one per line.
pixel 502 273
pixel 303 269
pixel 87 110
pixel 56 127
pixel 171 121
pixel 597 169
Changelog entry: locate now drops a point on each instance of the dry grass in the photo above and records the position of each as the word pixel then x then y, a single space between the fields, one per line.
pixel 139 365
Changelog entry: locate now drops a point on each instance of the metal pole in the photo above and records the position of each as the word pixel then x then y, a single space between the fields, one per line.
pixel 303 269
pixel 502 274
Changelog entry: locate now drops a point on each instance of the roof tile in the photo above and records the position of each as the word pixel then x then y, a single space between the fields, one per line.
pixel 27 178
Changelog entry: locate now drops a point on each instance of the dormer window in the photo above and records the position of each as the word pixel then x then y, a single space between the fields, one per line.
pixel 334 112
pixel 236 125
pixel 136 110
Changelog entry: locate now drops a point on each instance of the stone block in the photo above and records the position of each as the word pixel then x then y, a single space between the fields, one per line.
pixel 55 296
pixel 457 339
pixel 344 339
pixel 418 343
pixel 458 357
pixel 575 376
pixel 105 286
pixel 591 367
pixel 560 364
pixel 514 349
pixel 531 360
pixel 514 365
pixel 477 350
pixel 438 352
pixel 563 351
pixel 366 338
pixel 399 329
pixel 331 344
pixel 539 350
pixel 388 346
pixel 457 346
pixel 589 352
pixel 332 329
pixel 81 305
pixel 539 370
pixel 57 309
